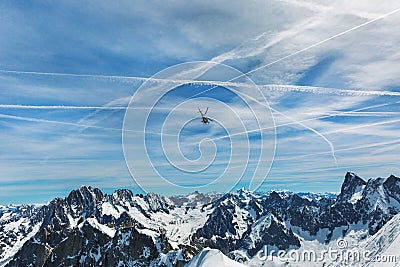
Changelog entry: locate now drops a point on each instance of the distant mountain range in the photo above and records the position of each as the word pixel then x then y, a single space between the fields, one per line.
pixel 89 228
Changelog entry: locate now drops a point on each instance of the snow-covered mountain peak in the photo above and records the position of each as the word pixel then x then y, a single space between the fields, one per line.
pixel 86 196
pixel 283 193
pixel 275 196
pixel 195 199
pixel 157 202
pixel 245 194
pixel 353 184
pixel 392 183
pixel 317 196
pixel 122 195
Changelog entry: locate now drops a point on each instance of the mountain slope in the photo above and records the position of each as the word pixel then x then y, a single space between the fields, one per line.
pixel 17 225
pixel 212 258
pixel 383 247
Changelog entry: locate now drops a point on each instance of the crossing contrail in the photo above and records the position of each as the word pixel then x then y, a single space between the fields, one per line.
pixel 269 87
pixel 344 113
pixel 326 90
pixel 325 40
pixel 72 75
pixel 363 126
pixel 371 145
pixel 251 71
pixel 298 88
pixel 358 114
pixel 301 51
pixel 331 146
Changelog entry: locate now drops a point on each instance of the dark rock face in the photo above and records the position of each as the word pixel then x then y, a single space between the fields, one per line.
pixel 219 223
pixel 87 246
pixel 32 252
pixel 93 248
pixel 350 185
pixel 274 234
pixel 231 227
pixel 89 228
pixel 392 187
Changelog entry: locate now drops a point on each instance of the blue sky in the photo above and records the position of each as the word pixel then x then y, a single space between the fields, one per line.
pixel 335 104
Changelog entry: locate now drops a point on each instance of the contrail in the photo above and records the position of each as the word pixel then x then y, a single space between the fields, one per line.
pixel 12 106
pixel 371 145
pixel 363 126
pixel 5 106
pixel 73 75
pixel 4 116
pixel 344 113
pixel 30 119
pixel 359 114
pixel 326 90
pixel 332 148
pixel 135 78
pixel 309 119
pixel 342 150
pixel 270 87
pixel 311 46
pixel 313 130
pixel 325 40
